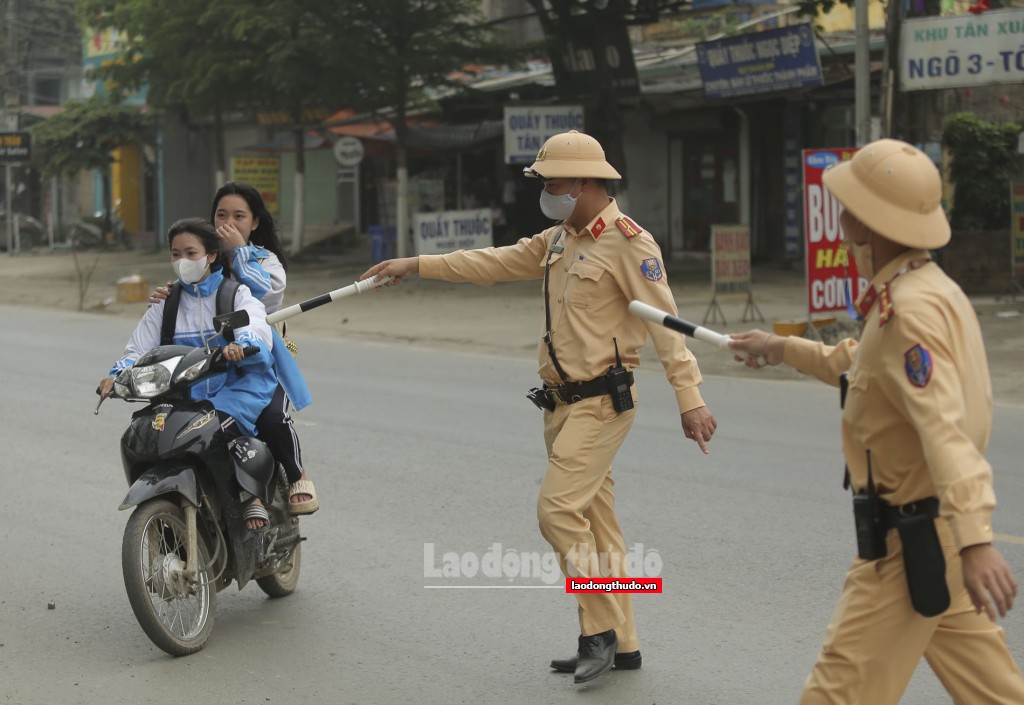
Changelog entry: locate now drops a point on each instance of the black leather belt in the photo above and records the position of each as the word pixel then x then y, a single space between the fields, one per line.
pixel 572 392
pixel 928 506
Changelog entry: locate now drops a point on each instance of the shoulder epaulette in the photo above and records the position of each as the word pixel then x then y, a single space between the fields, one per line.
pixel 628 227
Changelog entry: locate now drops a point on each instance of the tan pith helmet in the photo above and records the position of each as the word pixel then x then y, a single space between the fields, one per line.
pixel 571 155
pixel 894 189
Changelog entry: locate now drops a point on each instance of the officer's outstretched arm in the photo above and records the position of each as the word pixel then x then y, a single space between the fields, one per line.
pixel 397 269
pixel 758 348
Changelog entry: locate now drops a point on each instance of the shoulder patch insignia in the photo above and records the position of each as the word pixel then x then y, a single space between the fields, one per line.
pixel 918 364
pixel 628 227
pixel 651 269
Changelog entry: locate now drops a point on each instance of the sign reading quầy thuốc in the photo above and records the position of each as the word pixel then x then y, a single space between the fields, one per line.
pixel 762 62
pixel 528 128
pixel 448 231
pixel 962 51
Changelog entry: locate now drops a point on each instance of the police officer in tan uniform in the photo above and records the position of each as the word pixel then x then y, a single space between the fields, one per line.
pixel 594 261
pixel 916 422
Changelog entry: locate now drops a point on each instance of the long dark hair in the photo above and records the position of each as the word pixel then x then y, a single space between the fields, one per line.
pixel 206 234
pixel 265 234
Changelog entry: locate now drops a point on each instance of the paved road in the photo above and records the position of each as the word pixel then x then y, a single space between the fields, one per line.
pixel 411 446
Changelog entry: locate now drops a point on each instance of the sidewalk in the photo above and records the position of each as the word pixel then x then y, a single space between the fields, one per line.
pixel 504 319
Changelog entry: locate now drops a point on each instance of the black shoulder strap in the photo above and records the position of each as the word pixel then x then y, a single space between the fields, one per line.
pixel 170 319
pixel 226 302
pixel 554 247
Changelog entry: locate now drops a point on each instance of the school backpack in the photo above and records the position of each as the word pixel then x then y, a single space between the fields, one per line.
pixel 225 304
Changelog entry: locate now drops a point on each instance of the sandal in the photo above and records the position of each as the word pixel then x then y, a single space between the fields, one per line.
pixel 307 507
pixel 259 512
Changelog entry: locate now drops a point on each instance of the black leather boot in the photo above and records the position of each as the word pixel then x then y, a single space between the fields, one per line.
pixel 596 655
pixel 628 661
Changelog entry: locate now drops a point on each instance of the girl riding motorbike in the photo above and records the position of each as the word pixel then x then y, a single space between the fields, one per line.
pixel 247 387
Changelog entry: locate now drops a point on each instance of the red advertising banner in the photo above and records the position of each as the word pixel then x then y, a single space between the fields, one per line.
pixel 827 264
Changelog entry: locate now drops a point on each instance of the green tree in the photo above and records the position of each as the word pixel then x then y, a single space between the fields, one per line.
pixel 400 54
pixel 185 53
pixel 83 135
pixel 85 132
pixel 984 161
pixel 296 48
pixel 213 59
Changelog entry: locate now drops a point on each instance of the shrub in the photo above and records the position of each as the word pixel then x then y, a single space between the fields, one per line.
pixel 984 160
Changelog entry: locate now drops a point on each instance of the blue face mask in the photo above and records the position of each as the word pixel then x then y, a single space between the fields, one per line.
pixel 558 207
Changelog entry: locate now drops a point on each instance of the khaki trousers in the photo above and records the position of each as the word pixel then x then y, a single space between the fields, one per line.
pixel 576 508
pixel 875 640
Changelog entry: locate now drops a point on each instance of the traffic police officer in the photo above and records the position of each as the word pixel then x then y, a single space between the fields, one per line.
pixel 916 422
pixel 594 262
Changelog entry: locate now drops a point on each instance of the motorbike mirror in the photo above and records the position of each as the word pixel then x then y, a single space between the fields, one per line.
pixel 229 321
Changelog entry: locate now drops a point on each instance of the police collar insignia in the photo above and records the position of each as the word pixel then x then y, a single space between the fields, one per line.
pixel 885 309
pixel 918 365
pixel 627 226
pixel 867 300
pixel 651 269
pixel 597 228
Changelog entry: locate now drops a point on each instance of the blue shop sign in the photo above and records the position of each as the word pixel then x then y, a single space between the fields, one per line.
pixel 763 62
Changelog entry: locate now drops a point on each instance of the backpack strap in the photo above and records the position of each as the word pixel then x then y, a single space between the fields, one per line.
pixel 170 319
pixel 226 302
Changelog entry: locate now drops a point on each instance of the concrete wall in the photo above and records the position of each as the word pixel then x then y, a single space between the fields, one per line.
pixel 647 165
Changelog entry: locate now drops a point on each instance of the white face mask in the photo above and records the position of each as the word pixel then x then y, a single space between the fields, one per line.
pixel 558 207
pixel 864 257
pixel 190 271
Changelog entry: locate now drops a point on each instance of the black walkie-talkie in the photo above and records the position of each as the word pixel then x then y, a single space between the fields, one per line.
pixel 618 384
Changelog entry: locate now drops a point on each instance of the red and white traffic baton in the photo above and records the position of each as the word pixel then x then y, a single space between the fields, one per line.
pixel 358 287
pixel 663 318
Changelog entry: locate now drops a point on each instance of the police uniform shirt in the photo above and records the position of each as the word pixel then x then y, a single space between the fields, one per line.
pixel 595 273
pixel 919 399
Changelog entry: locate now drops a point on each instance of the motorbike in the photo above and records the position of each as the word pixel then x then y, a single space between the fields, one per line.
pixel 186 539
pixel 30 232
pixel 101 230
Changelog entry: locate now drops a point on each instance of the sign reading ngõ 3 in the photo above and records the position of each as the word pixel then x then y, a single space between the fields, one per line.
pixel 827 264
pixel 962 50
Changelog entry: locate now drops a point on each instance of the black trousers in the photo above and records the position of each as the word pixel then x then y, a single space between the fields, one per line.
pixel 274 427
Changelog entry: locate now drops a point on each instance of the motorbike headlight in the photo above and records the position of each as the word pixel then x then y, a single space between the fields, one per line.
pixel 152 380
pixel 191 372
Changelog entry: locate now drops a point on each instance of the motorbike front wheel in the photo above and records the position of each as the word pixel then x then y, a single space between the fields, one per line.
pixel 176 612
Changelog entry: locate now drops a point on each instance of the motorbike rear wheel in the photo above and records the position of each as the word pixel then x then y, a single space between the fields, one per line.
pixel 283 582
pixel 177 614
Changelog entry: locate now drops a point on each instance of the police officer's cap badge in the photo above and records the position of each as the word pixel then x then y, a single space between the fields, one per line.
pixel 651 269
pixel 918 364
pixel 541 154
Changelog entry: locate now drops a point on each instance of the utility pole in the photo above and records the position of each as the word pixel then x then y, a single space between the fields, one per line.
pixel 11 97
pixel 862 74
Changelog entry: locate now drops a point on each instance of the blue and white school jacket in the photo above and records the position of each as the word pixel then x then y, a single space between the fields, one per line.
pixel 242 396
pixel 261 270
